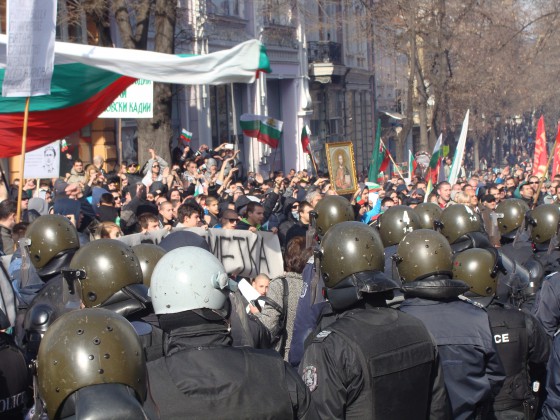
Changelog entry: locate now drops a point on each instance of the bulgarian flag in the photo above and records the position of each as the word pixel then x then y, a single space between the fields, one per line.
pixel 265 129
pixel 86 80
pixel 186 136
pixel 412 164
pixel 305 140
pixel 435 161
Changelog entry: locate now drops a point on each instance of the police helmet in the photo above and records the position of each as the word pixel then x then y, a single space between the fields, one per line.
pixel 48 236
pixel 148 255
pixel 458 220
pixel 428 213
pixel 544 221
pixel 479 269
pixel 331 210
pixel 104 267
pixel 88 347
pixel 421 254
pixel 188 278
pixel 395 223
pixel 511 215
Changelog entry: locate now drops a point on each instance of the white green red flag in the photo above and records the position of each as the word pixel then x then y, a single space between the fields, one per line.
pixel 305 140
pixel 186 136
pixel 412 164
pixel 435 161
pixel 87 79
pixel 540 159
pixel 265 129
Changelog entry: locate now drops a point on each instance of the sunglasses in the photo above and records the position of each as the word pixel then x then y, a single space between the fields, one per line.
pixel 155 166
pixel 534 182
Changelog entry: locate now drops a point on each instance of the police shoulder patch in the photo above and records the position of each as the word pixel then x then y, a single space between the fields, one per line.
pixel 321 336
pixel 304 288
pixel 472 302
pixel 309 377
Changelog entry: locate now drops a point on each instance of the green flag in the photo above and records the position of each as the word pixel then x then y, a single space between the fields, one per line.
pixel 376 156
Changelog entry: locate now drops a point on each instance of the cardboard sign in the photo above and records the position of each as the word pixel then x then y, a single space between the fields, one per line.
pixel 241 252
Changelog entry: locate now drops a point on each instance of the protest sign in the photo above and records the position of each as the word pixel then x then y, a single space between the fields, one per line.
pixel 241 252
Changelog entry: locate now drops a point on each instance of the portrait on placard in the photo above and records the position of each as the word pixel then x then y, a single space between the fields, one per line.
pixel 342 168
pixel 43 162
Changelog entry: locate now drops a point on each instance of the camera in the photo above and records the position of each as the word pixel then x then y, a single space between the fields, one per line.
pixel 228 146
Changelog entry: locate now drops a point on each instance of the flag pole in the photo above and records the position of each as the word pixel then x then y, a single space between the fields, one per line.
pixel 22 160
pixel 313 163
pixel 392 160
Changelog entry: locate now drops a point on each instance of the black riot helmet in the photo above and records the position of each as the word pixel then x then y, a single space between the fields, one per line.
pixel 352 259
pixel 395 223
pixel 148 255
pixel 511 214
pixel 428 213
pixel 329 211
pixel 88 347
pixel 543 222
pixel 48 237
pixel 478 268
pixel 458 220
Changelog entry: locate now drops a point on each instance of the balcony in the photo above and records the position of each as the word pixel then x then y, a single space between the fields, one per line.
pixel 324 52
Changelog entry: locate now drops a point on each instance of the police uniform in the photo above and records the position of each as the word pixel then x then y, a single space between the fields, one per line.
pixel 551 406
pixel 375 363
pixel 523 347
pixel 308 313
pixel 202 375
pixel 547 305
pixel 16 381
pixel 472 369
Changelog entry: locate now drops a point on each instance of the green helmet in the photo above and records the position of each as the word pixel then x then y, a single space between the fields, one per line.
pixel 544 222
pixel 148 255
pixel 48 236
pixel 458 220
pixel 395 223
pixel 331 210
pixel 349 248
pixel 88 347
pixel 421 254
pixel 428 213
pixel 108 265
pixel 478 268
pixel 511 216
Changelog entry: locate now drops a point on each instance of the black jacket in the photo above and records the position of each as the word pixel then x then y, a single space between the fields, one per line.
pixel 375 363
pixel 202 375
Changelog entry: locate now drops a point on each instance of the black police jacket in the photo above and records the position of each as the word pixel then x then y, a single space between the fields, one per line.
pixel 375 363
pixel 524 348
pixel 202 376
pixel 472 370
pixel 15 385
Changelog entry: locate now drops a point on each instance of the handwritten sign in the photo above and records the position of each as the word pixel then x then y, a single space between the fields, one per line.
pixel 30 49
pixel 245 253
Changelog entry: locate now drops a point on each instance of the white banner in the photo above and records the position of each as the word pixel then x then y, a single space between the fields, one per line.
pixel 241 252
pixel 43 162
pixel 30 50
pixel 135 102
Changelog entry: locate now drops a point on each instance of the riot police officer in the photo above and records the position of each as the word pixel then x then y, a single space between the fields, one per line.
pixel 393 225
pixel 543 222
pixel 522 344
pixel 90 365
pixel 108 275
pixel 51 242
pixel 371 361
pixel 428 213
pixel 148 256
pixel 331 210
pixel 201 372
pixel 472 369
pixel 463 228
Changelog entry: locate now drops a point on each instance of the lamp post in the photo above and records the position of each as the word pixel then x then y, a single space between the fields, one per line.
pixel 498 141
